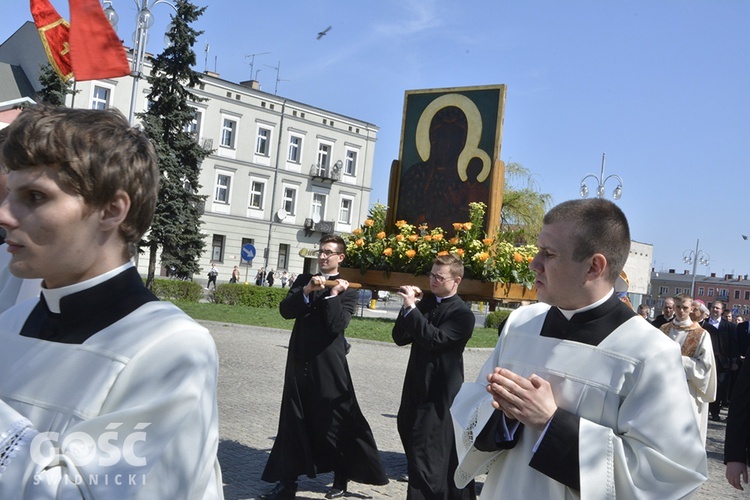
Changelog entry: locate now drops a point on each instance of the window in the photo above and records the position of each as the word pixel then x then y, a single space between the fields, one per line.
pixel 324 158
pixel 350 167
pixel 747 295
pixel 194 127
pixel 295 149
pixel 228 132
pixel 345 211
pixel 723 292
pixel 256 194
pixel 283 257
pixel 745 310
pixel 736 294
pixel 223 183
pixel 100 98
pixel 663 290
pixel 263 142
pixel 700 291
pixel 710 292
pixel 289 202
pixel 217 248
pixel 318 205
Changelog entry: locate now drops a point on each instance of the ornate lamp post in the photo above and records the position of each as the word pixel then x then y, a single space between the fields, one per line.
pixel 695 257
pixel 601 181
pixel 144 20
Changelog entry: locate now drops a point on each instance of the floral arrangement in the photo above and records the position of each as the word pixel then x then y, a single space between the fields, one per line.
pixel 413 248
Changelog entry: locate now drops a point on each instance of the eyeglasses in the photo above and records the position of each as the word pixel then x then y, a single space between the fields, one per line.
pixel 327 253
pixel 438 278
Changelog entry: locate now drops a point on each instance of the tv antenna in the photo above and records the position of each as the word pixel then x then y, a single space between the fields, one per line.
pixel 252 61
pixel 278 69
pixel 205 58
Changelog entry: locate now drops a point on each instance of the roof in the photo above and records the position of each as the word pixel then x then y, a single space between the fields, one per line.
pixel 14 84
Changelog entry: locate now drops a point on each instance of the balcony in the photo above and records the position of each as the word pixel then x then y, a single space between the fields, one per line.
pixel 326 173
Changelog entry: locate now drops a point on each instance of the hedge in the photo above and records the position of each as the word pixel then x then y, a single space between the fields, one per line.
pixel 189 291
pixel 494 318
pixel 249 295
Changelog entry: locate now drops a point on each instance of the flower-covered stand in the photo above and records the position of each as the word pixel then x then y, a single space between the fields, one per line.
pixel 469 289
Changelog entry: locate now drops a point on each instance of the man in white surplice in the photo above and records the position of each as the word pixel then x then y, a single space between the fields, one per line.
pixel 581 398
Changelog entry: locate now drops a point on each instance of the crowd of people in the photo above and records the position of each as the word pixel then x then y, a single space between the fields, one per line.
pixel 564 406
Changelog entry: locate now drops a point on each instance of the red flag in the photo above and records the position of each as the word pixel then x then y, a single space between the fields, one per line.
pixel 54 32
pixel 96 50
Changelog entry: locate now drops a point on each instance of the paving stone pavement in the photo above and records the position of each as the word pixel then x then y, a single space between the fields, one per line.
pixel 250 383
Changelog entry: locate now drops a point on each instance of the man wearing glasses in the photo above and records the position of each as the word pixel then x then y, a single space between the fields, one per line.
pixel 437 328
pixel 321 427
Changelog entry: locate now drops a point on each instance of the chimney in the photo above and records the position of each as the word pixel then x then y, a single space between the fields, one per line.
pixel 251 84
pixel 671 271
pixel 685 272
pixel 713 275
pixel 211 73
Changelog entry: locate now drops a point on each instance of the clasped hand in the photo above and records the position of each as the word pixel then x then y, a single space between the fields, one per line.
pixel 317 283
pixel 528 400
pixel 410 294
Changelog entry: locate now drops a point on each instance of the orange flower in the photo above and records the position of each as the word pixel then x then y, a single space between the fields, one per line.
pixel 482 257
pixel 357 231
pixel 360 242
pixel 517 257
pixel 427 237
pixel 369 222
pixel 437 237
pixel 529 259
pixel 444 252
pixel 460 251
pixel 413 237
pixel 467 226
pixel 453 241
pixel 399 237
pixel 388 251
pixel 400 223
pixel 380 235
pixel 457 226
pixel 487 241
pixel 411 253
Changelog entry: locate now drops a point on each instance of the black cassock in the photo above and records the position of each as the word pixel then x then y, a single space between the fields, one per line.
pixel 321 427
pixel 438 334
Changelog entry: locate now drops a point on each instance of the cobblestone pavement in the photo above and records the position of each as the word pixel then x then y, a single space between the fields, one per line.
pixel 250 383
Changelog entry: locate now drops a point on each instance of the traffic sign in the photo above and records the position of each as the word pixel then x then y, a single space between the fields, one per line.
pixel 248 252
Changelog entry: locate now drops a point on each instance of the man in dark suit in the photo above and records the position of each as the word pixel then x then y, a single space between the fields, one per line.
pixel 437 328
pixel 667 313
pixel 321 427
pixel 724 341
pixel 737 438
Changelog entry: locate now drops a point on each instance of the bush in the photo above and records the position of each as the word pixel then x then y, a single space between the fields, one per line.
pixel 172 290
pixel 249 295
pixel 494 318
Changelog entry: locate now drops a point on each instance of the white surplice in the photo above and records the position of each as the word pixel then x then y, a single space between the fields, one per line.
pixel 637 437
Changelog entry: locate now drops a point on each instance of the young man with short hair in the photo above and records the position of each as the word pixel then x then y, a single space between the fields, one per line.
pixel 106 391
pixel 321 427
pixel 581 398
pixel 438 327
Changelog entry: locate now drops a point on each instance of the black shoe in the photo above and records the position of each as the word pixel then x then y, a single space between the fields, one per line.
pixel 403 478
pixel 338 489
pixel 716 418
pixel 282 491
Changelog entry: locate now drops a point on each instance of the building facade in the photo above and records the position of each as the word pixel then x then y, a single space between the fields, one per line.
pixel 733 290
pixel 281 174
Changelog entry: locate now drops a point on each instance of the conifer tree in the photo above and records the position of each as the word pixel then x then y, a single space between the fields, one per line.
pixel 176 225
pixel 54 90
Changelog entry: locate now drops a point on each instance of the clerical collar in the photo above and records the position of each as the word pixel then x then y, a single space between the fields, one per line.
pixel 570 313
pixel 440 299
pixel 682 324
pixel 52 296
pixel 328 276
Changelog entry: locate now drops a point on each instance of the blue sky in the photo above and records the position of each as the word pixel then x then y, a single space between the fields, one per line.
pixel 661 87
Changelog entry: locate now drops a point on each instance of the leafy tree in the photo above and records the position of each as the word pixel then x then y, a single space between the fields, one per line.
pixel 176 225
pixel 54 90
pixel 523 206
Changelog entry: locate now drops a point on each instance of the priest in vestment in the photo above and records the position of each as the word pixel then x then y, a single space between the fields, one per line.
pixel 697 357
pixel 581 398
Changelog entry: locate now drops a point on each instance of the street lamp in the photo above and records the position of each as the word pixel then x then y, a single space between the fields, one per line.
pixel 144 20
pixel 695 257
pixel 601 181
